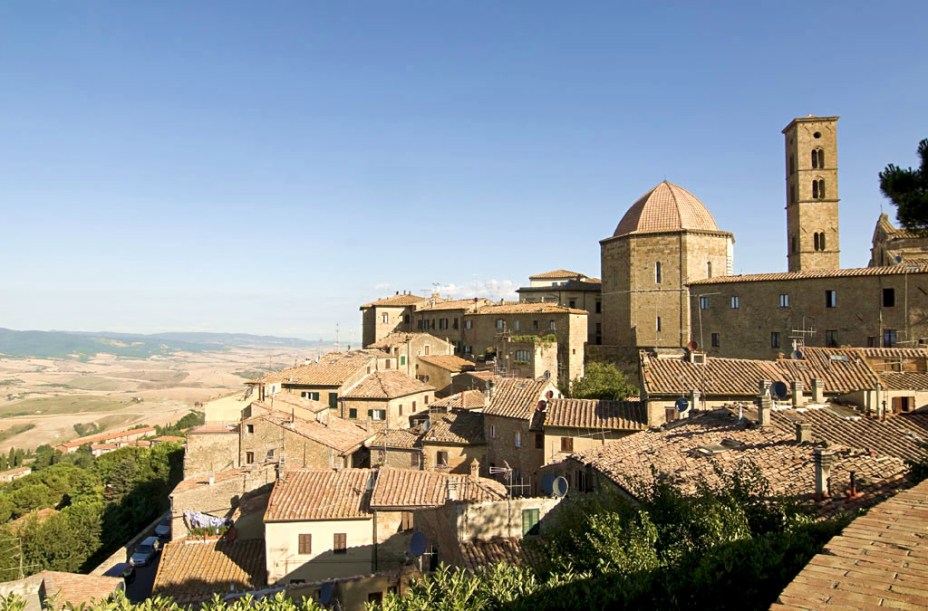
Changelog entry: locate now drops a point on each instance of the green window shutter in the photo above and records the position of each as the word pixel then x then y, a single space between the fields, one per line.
pixel 530 518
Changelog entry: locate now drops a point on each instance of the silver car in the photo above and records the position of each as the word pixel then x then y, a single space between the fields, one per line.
pixel 145 551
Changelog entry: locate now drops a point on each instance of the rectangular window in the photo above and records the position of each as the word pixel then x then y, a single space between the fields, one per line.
pixel 441 458
pixel 715 340
pixel 534 325
pixel 657 324
pixel 377 414
pixel 572 303
pixel 375 598
pixel 889 338
pixel 784 300
pixel 352 412
pixel 703 303
pixel 340 543
pixel 871 342
pixel 530 519
pixel 249 458
pixel 403 359
pixel 657 272
pixel 333 400
pixel 567 444
pixel 831 299
pixel 523 355
pixel 500 324
pixel 518 439
pixel 516 325
pixel 774 339
pixel 831 338
pixel 735 302
pixel 306 544
pixel 385 318
pixel 270 454
pixel 468 324
pixel 599 307
pixel 492 431
pixel 414 459
pixel 454 323
pixel 314 396
pixel 250 428
pixel 552 325
pixel 539 441
pixel 889 298
pixel 406 521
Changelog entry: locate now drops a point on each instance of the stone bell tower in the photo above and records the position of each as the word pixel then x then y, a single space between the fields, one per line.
pixel 812 193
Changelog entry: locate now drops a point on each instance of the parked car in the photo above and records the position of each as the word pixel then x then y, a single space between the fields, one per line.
pixel 163 529
pixel 145 551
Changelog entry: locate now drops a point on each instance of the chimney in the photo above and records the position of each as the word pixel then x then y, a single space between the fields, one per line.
pixel 803 432
pixel 764 387
pixel 489 391
pixel 763 412
pixel 475 468
pixel 452 487
pixel 818 391
pixel 879 400
pixel 694 399
pixel 823 458
pixel 797 394
pixel 212 479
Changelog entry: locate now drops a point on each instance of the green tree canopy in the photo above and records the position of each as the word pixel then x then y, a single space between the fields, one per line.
pixel 908 190
pixel 602 381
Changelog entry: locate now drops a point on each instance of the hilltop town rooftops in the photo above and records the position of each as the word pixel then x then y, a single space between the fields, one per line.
pixel 283 401
pixel 597 414
pixel 407 489
pixel 909 267
pixel 320 494
pixel 332 369
pixel 388 384
pixel 516 397
pixel 526 308
pixel 448 362
pixel 192 570
pixel 468 399
pixel 454 304
pixel 402 439
pixel 690 451
pixel 398 300
pixel 57 589
pixel 483 552
pixel 459 428
pixel 878 560
pixel 559 274
pixel 398 338
pixel 107 437
pixel 199 481
pixel 341 435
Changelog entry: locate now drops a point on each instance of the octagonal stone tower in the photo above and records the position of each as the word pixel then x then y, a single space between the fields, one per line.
pixel 666 239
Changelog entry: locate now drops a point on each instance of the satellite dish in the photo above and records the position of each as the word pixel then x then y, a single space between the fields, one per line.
pixel 898 259
pixel 692 346
pixel 797 355
pixel 682 404
pixel 547 374
pixel 326 592
pixel 547 484
pixel 417 544
pixel 560 486
pixel 779 389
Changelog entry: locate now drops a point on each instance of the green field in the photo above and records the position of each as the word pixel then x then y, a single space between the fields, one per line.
pixel 61 405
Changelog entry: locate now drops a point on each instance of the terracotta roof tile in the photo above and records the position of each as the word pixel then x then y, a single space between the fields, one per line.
pixel 334 432
pixel 468 399
pixel 105 437
pixel 192 570
pixel 526 308
pixel 459 428
pixel 478 553
pixel 404 488
pixel 403 439
pixel 320 494
pixel 284 400
pixel 557 275
pixel 666 207
pixel 76 589
pixel 388 384
pixel 203 480
pixel 449 362
pixel 880 559
pixel 518 397
pixel 596 414
pixel 453 304
pixel 680 452
pixel 396 301
pixel 330 370
pixel 892 270
pixel 398 338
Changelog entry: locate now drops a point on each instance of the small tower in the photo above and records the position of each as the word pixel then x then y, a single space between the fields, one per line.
pixel 812 193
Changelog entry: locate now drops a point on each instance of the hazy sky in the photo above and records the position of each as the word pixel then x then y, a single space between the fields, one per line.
pixel 267 167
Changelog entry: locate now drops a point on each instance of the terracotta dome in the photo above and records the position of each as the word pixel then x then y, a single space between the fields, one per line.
pixel 666 207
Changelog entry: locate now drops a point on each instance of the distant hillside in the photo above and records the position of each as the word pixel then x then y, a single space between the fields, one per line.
pixel 62 344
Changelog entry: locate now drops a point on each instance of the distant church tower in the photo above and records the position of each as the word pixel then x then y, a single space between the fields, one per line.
pixel 812 193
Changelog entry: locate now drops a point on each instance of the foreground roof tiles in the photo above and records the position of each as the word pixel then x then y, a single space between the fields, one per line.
pixel 468 399
pixel 403 439
pixel 449 362
pixel 682 452
pixel 879 560
pixel 332 369
pixel 596 414
pixel 192 570
pixel 517 397
pixel 458 428
pixel 390 384
pixel 334 432
pixel 75 589
pixel 478 553
pixel 320 494
pixel 404 488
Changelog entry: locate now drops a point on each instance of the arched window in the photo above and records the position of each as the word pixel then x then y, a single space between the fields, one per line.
pixel 820 154
pixel 821 240
pixel 815 241
pixel 818 188
pixel 814 189
pixel 657 272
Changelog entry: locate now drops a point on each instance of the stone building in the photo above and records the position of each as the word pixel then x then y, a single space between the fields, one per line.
pixel 326 378
pixel 894 246
pixel 445 317
pixel 441 370
pixel 572 290
pixel 385 399
pixel 384 316
pixel 577 425
pixel 454 442
pixel 513 429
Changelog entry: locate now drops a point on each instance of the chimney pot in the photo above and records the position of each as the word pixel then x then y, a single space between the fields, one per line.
pixel 797 394
pixel 763 412
pixel 803 432
pixel 818 391
pixel 823 459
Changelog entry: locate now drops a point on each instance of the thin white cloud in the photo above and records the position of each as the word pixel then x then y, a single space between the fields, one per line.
pixel 491 289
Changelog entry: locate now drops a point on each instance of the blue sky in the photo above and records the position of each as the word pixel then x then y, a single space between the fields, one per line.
pixel 267 167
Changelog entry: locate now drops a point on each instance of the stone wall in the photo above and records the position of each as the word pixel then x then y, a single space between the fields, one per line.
pixel 209 452
pixel 525 461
